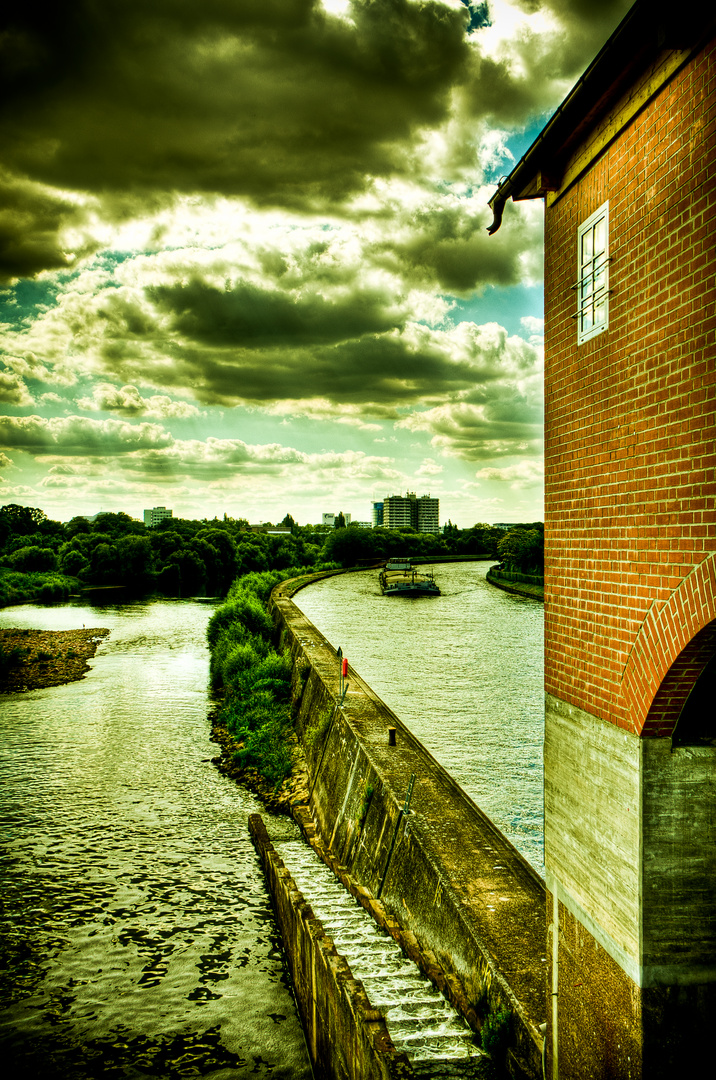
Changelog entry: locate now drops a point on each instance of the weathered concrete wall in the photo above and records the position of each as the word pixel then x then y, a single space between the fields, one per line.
pixel 443 871
pixel 630 849
pixel 347 1038
pixel 630 836
pixel 679 872
pixel 592 826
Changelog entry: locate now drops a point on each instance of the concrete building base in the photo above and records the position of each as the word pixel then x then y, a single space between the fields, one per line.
pixel 630 852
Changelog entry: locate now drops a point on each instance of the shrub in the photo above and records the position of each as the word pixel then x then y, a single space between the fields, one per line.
pixel 255 677
pixel 244 608
pixel 267 750
pixel 52 590
pixel 258 584
pixel 496 1032
pixel 238 660
pixel 10 659
pixel 271 674
pixel 33 558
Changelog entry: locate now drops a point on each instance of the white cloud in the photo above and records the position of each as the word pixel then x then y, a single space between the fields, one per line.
pixel 127 401
pixel 524 474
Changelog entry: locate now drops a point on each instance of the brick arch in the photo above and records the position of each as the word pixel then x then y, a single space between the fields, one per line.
pixel 667 650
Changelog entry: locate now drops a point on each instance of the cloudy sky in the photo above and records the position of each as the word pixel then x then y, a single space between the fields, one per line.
pixel 244 265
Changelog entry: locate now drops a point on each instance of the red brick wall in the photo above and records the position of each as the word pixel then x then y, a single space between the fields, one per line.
pixel 630 415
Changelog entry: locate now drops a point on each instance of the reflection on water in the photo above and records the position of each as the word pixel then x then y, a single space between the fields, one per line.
pixel 464 671
pixel 136 929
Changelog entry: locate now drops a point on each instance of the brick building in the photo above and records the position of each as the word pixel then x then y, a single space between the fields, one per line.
pixel 627 170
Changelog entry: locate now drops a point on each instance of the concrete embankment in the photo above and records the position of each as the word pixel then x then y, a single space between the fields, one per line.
pixel 471 905
pixel 522 584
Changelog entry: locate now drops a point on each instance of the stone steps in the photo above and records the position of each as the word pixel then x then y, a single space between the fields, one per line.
pixel 420 1021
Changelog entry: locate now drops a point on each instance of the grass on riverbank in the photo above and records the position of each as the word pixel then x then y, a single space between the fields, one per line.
pixel 17 587
pixel 252 678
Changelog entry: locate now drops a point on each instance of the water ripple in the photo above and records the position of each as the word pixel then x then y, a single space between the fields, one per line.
pixel 136 934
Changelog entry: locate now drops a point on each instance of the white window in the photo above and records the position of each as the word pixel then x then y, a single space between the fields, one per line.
pixel 593 275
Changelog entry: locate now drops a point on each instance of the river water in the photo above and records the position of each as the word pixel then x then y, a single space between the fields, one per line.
pixel 135 932
pixel 464 671
pixel 136 938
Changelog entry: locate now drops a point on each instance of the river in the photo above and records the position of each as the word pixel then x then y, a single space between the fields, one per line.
pixel 136 935
pixel 464 671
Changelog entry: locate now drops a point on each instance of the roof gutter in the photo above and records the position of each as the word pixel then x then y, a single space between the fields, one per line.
pixel 638 38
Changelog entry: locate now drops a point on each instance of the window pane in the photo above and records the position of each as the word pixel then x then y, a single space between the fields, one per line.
pixel 600 236
pixel 593 274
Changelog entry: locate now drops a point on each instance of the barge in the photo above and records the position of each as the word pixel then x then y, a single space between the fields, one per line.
pixel 400 578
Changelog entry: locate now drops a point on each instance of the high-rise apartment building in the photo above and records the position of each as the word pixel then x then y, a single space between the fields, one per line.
pixel 428 514
pixel 422 512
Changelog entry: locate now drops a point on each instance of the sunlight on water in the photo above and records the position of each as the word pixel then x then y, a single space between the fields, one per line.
pixel 136 927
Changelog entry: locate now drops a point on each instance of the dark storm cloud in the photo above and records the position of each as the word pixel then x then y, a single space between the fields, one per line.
pixel 271 99
pixel 450 247
pixel 375 369
pixel 248 316
pixel 520 84
pixel 33 221
pixel 476 433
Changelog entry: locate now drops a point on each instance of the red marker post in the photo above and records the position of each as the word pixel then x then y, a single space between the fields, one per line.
pixel 344 671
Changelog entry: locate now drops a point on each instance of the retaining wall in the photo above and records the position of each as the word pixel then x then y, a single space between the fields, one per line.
pixel 443 871
pixel 521 584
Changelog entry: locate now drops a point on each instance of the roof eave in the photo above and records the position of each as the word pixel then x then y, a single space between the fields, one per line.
pixel 643 33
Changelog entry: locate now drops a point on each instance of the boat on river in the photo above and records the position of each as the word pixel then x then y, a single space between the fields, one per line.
pixel 400 578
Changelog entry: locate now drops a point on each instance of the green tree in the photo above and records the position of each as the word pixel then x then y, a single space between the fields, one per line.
pixel 116 524
pixel 522 550
pixel 134 560
pixel 33 558
pixel 21 519
pixel 224 563
pixel 73 562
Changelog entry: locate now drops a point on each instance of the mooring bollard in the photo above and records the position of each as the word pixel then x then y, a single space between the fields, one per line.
pixel 391 736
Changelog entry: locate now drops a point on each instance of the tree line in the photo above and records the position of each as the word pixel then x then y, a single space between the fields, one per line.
pixel 46 560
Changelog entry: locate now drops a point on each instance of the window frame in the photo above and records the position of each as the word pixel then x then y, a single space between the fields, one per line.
pixel 593 270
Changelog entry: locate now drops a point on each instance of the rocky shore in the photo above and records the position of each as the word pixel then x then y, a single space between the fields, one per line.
pixel 34 659
pixel 292 792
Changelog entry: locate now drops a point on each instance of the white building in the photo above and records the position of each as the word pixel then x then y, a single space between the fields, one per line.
pixel 330 519
pixel 157 514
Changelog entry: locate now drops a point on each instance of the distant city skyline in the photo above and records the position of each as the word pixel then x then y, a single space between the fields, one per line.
pixel 245 265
